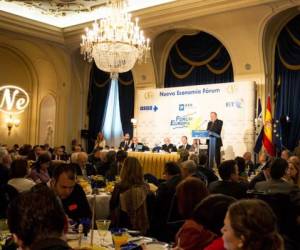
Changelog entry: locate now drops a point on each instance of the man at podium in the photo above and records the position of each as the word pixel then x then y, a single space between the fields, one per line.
pixel 215 125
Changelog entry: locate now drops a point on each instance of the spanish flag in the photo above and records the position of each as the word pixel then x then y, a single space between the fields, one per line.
pixel 267 136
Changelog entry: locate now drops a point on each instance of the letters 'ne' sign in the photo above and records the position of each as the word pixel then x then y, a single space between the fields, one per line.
pixel 13 99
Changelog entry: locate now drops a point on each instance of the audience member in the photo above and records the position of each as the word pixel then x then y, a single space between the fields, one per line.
pixel 229 185
pixel 166 203
pixel 83 167
pixel 202 168
pixel 263 175
pixel 39 172
pixel 243 173
pixel 191 235
pixel 251 225
pixel 285 154
pixel 5 161
pixel 128 204
pixel 35 153
pixel 189 169
pixel 294 170
pixel 18 173
pixel 210 213
pixel 249 163
pixel 37 220
pixel 183 155
pixel 59 154
pixel 276 184
pixel 71 194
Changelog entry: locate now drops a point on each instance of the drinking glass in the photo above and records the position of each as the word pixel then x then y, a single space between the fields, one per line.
pixel 120 237
pixel 4 231
pixel 102 228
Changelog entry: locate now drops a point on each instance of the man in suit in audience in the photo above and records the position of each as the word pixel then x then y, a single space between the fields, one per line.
pixel 185 145
pixel 166 203
pixel 276 184
pixel 168 146
pixel 125 144
pixel 229 185
pixel 215 125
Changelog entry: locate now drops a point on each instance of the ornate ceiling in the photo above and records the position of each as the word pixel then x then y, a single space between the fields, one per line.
pixel 65 13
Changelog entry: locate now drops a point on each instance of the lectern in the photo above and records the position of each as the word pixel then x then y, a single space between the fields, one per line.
pixel 212 137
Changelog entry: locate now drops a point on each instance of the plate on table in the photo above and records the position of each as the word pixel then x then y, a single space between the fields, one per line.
pixel 156 245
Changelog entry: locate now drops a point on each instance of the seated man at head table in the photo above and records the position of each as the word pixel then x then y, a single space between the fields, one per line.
pixel 168 146
pixel 125 143
pixel 138 146
pixel 71 194
pixel 184 143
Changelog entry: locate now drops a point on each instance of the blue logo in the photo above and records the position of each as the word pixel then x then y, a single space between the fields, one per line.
pixel 185 106
pixel 153 108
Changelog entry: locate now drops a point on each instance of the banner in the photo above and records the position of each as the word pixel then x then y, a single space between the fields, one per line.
pixel 174 112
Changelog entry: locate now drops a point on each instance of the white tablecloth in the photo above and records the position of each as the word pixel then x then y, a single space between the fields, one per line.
pixel 102 205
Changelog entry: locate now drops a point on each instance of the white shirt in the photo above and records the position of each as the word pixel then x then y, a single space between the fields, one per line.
pixel 21 184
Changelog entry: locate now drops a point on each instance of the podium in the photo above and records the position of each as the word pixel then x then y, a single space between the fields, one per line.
pixel 212 138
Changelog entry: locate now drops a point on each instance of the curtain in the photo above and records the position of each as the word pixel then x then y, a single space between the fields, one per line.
pixel 112 127
pixel 98 92
pixel 287 86
pixel 198 59
pixel 98 103
pixel 126 98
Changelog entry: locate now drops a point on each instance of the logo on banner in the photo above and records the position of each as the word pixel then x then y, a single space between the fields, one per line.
pixel 13 100
pixel 148 95
pixel 239 104
pixel 149 108
pixel 185 106
pixel 182 121
pixel 232 88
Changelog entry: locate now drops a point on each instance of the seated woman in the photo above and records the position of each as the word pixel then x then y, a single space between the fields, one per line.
pixel 18 173
pixel 294 170
pixel 39 172
pixel 128 204
pixel 100 141
pixel 210 213
pixel 37 220
pixel 251 225
pixel 191 235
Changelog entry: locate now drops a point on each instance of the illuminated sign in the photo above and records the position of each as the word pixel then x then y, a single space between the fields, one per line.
pixel 13 100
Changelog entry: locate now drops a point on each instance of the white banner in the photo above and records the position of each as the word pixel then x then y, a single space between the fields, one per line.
pixel 174 112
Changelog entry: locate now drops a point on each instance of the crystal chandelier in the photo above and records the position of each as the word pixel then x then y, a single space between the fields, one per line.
pixel 115 42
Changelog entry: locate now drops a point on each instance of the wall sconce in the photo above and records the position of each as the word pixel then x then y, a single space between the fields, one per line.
pixel 134 123
pixel 11 122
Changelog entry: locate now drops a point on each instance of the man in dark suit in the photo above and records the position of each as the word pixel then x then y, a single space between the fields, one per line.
pixel 125 144
pixel 215 125
pixel 185 145
pixel 136 145
pixel 168 146
pixel 276 184
pixel 166 203
pixel 229 185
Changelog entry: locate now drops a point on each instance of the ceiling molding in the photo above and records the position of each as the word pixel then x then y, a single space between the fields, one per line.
pixel 29 27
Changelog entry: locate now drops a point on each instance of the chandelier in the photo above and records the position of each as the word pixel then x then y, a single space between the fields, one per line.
pixel 115 42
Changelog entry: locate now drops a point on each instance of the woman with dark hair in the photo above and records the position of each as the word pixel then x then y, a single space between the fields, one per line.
pixel 251 225
pixel 128 202
pixel 191 235
pixel 210 213
pixel 293 172
pixel 40 173
pixel 37 220
pixel 18 173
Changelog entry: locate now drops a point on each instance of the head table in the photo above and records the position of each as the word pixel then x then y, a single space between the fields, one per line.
pixel 154 163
